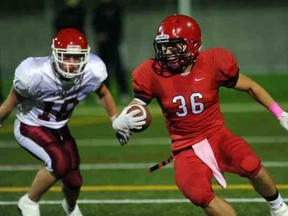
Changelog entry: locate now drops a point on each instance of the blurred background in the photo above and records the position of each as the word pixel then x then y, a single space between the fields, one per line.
pixel 255 31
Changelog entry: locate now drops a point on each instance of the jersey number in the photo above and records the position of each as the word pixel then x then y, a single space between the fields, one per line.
pixel 197 107
pixel 61 115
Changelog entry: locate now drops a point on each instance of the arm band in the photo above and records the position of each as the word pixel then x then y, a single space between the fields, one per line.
pixel 276 110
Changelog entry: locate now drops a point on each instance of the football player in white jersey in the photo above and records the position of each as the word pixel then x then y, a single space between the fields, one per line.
pixel 46 90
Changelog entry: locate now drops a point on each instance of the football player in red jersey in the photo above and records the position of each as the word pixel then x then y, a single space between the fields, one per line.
pixel 185 83
pixel 46 90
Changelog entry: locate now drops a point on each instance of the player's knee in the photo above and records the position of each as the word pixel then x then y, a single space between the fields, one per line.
pixel 250 166
pixel 197 195
pixel 61 168
pixel 73 179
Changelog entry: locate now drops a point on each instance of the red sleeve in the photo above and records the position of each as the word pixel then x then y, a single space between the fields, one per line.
pixel 142 82
pixel 227 67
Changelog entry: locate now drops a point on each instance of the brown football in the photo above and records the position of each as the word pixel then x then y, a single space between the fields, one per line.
pixel 148 118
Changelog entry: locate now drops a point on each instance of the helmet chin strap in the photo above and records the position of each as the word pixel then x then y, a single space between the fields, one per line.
pixel 188 68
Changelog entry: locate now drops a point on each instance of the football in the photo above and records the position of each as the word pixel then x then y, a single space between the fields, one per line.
pixel 148 118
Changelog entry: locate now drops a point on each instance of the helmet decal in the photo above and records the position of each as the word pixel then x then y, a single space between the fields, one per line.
pixel 162 37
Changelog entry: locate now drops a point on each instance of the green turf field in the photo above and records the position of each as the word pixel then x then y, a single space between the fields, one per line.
pixel 116 181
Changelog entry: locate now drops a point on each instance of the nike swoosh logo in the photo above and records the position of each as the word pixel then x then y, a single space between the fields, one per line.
pixel 198 79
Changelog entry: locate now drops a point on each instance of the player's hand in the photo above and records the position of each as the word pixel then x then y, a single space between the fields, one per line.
pixel 126 121
pixel 123 136
pixel 284 120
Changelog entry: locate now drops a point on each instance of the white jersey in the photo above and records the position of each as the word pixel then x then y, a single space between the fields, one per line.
pixel 49 101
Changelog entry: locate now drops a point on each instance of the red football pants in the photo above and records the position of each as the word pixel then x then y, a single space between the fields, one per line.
pixel 233 154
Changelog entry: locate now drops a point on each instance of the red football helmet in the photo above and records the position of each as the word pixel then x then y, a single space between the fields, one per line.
pixel 177 43
pixel 70 43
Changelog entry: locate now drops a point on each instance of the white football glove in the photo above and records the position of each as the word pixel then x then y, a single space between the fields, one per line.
pixel 283 119
pixel 126 121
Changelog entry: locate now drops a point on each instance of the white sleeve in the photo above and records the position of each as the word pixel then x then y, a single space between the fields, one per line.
pixel 99 68
pixel 24 79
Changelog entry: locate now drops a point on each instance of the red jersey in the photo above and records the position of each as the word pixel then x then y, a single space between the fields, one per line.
pixel 189 101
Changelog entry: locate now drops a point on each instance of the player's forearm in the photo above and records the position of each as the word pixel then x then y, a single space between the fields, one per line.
pixel 108 102
pixel 8 105
pixel 261 95
pixel 4 112
pixel 109 105
pixel 256 91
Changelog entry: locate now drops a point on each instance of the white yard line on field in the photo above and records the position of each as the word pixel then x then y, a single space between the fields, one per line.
pixel 117 166
pixel 137 201
pixel 88 110
pixel 152 141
